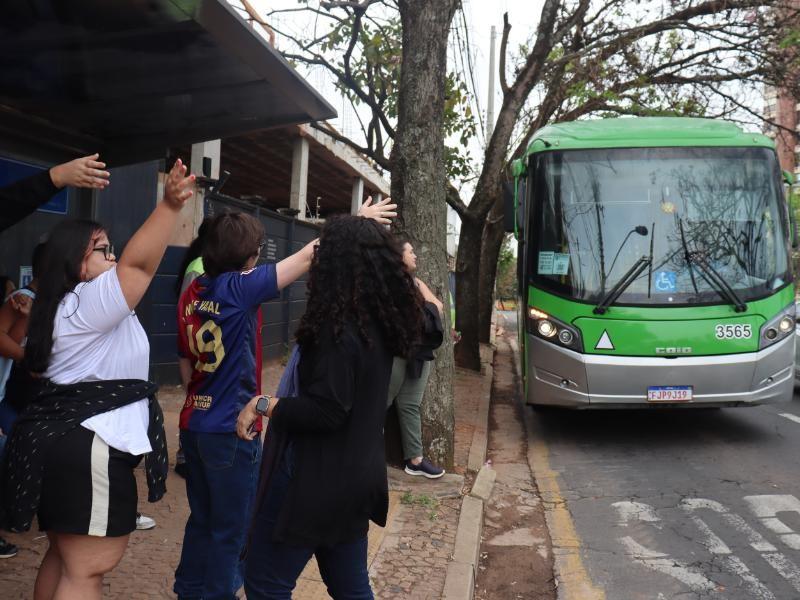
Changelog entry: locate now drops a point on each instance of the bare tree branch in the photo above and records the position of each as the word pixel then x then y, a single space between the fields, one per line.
pixel 381 160
pixel 357 6
pixel 503 50
pixel 453 199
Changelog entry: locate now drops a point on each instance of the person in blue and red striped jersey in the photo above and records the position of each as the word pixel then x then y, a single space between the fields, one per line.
pixel 219 349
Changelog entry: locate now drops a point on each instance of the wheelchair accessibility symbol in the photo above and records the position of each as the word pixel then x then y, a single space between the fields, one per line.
pixel 666 281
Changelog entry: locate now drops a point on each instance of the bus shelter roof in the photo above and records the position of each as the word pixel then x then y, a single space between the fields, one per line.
pixel 133 77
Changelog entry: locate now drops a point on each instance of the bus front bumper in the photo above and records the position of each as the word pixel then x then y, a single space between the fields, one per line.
pixel 560 377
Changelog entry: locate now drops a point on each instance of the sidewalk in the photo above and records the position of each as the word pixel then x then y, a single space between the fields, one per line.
pixel 408 559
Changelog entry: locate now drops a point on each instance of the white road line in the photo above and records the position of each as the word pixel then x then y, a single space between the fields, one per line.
pixel 756 540
pixel 635 511
pixel 790 416
pixel 662 563
pixel 757 589
pixel 733 563
pixel 785 567
pixel 766 508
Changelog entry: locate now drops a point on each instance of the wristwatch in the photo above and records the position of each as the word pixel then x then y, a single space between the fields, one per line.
pixel 262 404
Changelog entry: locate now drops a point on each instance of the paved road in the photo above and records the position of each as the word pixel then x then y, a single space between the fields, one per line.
pixel 677 503
pixel 681 503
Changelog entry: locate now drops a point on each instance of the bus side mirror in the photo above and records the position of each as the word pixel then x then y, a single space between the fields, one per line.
pixel 509 210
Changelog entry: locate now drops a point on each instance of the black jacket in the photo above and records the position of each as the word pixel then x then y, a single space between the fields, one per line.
pixel 335 427
pixel 21 198
pixel 55 410
pixel 432 338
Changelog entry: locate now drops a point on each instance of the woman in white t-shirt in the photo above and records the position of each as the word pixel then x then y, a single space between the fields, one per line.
pixel 83 329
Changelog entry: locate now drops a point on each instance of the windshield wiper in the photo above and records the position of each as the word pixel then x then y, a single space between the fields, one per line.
pixel 715 280
pixel 627 279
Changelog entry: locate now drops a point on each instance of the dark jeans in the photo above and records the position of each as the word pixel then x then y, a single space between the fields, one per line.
pixel 221 477
pixel 272 568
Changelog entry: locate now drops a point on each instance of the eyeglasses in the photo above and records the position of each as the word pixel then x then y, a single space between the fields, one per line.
pixel 107 250
pixel 261 245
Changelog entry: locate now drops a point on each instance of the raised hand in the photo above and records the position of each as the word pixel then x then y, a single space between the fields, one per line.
pixel 21 303
pixel 382 212
pixel 85 172
pixel 177 187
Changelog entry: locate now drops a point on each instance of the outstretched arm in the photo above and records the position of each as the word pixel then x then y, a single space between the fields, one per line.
pixel 22 197
pixel 144 251
pixel 383 211
pixel 295 266
pixel 428 295
pixel 11 335
pixel 85 172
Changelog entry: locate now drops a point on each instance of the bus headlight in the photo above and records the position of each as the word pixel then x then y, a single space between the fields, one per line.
pixel 786 324
pixel 546 328
pixel 778 327
pixel 554 331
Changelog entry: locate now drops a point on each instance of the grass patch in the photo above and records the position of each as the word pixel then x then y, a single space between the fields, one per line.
pixel 427 502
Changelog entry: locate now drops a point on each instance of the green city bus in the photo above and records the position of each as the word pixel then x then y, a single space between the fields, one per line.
pixel 654 265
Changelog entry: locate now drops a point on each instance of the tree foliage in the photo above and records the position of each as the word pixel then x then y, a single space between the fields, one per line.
pixel 361 47
pixel 506 271
pixel 615 57
pixel 586 58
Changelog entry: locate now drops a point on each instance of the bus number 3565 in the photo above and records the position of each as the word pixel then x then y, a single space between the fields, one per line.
pixel 733 332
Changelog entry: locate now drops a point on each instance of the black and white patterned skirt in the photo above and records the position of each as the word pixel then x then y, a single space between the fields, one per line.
pixel 88 488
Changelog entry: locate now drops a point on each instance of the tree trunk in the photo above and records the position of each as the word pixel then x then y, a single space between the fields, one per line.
pixel 493 234
pixel 467 353
pixel 418 186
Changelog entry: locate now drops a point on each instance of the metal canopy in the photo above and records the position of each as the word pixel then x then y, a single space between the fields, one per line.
pixel 132 77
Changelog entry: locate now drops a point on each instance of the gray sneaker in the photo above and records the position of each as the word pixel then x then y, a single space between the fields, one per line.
pixel 425 468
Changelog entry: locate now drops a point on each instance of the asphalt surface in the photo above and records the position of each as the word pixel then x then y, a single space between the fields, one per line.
pixel 680 503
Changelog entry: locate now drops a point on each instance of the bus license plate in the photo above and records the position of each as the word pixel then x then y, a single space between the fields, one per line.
pixel 669 393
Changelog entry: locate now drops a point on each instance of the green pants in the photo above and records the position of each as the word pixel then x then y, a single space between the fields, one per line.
pixel 407 394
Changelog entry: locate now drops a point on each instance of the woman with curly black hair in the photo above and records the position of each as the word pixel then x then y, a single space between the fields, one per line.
pixel 330 480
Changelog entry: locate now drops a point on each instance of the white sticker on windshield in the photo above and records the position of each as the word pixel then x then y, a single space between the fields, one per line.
pixel 546 263
pixel 560 264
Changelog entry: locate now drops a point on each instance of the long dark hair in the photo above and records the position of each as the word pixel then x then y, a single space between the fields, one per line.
pixel 195 250
pixel 60 268
pixel 357 276
pixel 4 279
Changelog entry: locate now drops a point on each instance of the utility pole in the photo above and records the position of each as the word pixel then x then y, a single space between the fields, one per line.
pixel 490 102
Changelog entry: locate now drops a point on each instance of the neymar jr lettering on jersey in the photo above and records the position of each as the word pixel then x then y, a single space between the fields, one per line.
pixel 218 331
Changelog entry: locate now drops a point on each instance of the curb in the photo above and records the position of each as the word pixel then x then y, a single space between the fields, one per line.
pixel 480 437
pixel 459 583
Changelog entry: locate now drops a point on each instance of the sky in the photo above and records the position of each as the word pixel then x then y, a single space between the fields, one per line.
pixel 480 15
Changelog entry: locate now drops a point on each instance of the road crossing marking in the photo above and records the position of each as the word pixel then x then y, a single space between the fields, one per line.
pixel 767 507
pixel 669 566
pixel 790 416
pixel 635 511
pixel 764 507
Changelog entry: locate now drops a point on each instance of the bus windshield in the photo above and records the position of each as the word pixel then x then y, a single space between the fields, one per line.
pixel 595 213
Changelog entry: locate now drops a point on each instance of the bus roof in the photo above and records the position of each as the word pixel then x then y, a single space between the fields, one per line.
pixel 643 132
